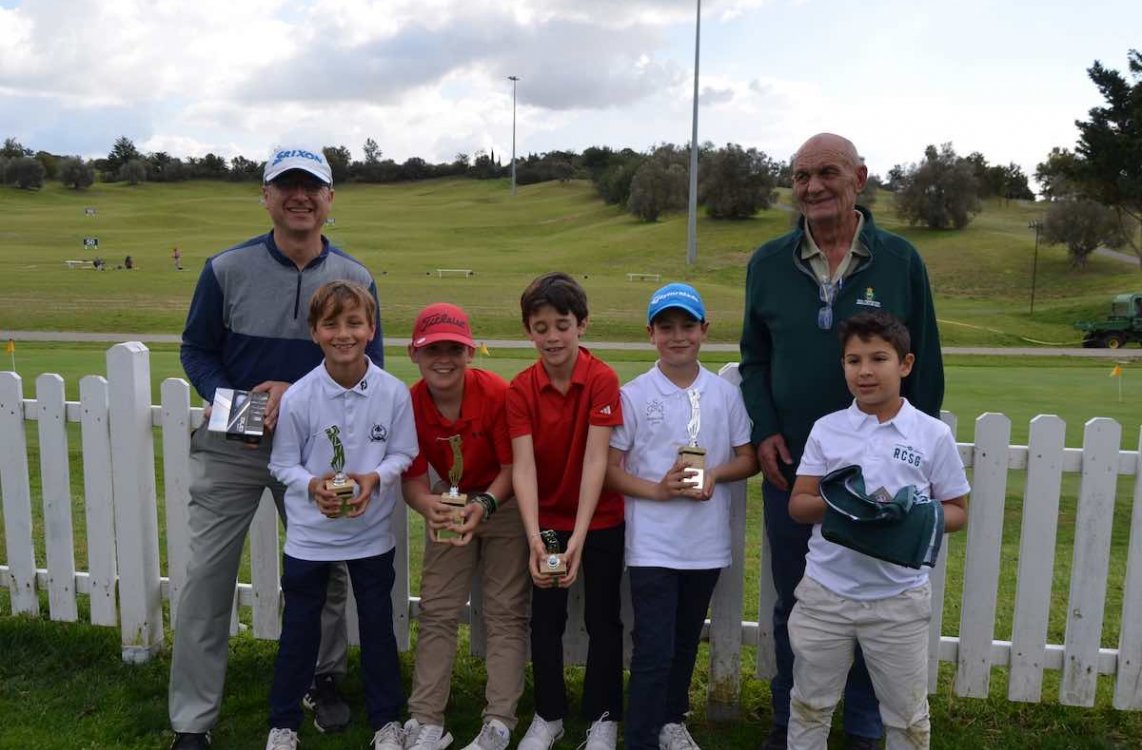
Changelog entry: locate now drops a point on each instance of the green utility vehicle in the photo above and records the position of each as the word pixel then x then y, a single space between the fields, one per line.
pixel 1122 326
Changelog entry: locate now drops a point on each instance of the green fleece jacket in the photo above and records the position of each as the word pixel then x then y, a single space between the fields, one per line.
pixel 791 369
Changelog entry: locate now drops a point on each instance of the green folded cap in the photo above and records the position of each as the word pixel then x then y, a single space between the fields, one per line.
pixel 898 530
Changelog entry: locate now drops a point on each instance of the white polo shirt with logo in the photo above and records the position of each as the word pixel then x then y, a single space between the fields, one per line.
pixel 911 448
pixel 377 429
pixel 679 533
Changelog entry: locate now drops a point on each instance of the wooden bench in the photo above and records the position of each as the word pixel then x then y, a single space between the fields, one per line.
pixel 643 276
pixel 79 264
pixel 465 272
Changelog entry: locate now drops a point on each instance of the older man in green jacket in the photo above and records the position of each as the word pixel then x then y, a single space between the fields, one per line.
pixel 836 263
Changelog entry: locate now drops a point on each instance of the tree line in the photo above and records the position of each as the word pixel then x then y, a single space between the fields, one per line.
pixel 1093 191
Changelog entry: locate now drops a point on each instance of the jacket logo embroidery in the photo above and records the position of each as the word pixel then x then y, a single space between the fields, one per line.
pixel 378 434
pixel 869 299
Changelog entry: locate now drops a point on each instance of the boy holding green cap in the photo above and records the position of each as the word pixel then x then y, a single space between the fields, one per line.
pixel 847 597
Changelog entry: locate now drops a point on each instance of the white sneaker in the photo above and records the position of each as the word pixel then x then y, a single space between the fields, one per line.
pixel 419 736
pixel 603 735
pixel 541 735
pixel 388 737
pixel 676 737
pixel 494 736
pixel 282 739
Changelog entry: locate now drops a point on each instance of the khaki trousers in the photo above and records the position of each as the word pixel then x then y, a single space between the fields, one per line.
pixel 499 552
pixel 893 634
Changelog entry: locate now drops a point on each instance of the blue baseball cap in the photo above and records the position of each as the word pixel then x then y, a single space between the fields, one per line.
pixel 682 296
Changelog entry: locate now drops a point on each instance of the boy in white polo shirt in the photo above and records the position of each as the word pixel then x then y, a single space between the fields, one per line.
pixel 345 411
pixel 677 534
pixel 847 597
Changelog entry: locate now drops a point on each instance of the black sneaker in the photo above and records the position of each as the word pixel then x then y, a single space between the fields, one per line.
pixel 776 739
pixel 191 741
pixel 856 742
pixel 330 711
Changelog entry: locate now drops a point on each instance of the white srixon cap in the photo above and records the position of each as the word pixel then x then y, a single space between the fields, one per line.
pixel 283 159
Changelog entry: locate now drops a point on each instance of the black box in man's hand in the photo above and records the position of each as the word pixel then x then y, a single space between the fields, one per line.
pixel 239 414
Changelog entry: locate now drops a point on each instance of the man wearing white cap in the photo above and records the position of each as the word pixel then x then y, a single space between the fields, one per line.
pixel 247 328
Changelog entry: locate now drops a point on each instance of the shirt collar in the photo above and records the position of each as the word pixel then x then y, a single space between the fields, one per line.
pixel 810 249
pixel 330 388
pixel 432 413
pixel 578 373
pixel 904 422
pixel 665 387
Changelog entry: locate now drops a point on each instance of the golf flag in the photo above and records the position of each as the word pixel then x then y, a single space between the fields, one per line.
pixel 10 347
pixel 484 349
pixel 1116 372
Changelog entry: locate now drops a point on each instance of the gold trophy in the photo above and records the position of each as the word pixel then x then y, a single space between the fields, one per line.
pixel 453 497
pixel 340 485
pixel 553 563
pixel 693 457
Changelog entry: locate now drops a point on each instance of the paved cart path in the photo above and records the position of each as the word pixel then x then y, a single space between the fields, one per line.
pixel 170 338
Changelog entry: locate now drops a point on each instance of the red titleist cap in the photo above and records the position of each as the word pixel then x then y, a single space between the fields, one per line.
pixel 441 322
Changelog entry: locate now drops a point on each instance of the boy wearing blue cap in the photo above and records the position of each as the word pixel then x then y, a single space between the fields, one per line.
pixel 677 517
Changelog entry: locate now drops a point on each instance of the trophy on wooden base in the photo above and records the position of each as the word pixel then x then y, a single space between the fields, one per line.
pixel 553 562
pixel 453 497
pixel 340 485
pixel 691 456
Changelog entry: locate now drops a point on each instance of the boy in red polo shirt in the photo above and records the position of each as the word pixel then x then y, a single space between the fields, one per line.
pixel 453 400
pixel 561 412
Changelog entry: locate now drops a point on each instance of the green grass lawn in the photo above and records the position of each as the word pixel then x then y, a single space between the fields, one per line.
pixel 116 706
pixel 64 686
pixel 981 276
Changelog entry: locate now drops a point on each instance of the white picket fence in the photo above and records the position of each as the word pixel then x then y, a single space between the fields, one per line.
pixel 126 588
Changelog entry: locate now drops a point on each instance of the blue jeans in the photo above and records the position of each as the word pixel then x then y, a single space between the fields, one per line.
pixel 303 585
pixel 788 545
pixel 669 611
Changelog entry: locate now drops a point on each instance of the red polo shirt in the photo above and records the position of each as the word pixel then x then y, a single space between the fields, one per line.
pixel 482 426
pixel 557 424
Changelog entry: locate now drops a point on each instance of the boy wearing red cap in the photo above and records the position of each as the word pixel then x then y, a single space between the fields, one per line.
pixel 452 403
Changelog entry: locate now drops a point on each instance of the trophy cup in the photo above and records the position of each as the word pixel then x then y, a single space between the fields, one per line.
pixel 693 457
pixel 552 563
pixel 453 497
pixel 340 485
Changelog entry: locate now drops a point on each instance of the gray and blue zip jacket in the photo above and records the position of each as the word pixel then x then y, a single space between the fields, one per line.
pixel 249 318
pixel 791 369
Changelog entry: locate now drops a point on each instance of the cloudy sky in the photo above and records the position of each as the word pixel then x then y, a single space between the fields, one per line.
pixel 429 77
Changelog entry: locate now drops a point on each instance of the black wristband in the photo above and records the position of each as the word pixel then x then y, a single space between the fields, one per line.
pixel 487 501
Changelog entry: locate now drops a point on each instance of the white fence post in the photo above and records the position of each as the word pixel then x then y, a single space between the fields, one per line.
pixel 937 579
pixel 1036 557
pixel 136 516
pixel 1128 688
pixel 176 425
pixel 1101 439
pixel 981 561
pixel 17 491
pixel 55 484
pixel 723 694
pixel 400 595
pixel 103 571
pixel 265 569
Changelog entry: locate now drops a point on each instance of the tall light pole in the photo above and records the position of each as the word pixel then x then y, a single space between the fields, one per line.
pixel 692 224
pixel 1038 227
pixel 514 80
